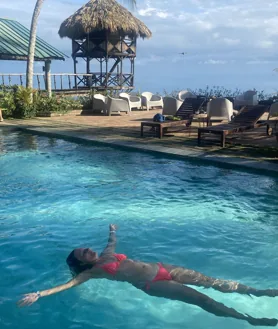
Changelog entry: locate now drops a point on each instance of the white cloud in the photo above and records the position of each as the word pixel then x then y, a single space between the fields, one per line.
pixel 149 59
pixel 258 62
pixel 265 44
pixel 212 33
pixel 146 12
pixel 152 11
pixel 231 42
pixel 162 14
pixel 214 62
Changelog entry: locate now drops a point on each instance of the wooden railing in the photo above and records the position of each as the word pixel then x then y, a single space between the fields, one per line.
pixel 71 81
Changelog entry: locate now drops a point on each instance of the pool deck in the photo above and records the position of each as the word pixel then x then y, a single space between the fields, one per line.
pixel 252 149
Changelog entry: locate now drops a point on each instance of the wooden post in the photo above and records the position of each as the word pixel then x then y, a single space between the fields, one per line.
pixel 106 62
pixel 108 74
pixel 133 63
pixel 199 137
pixel 223 139
pixel 74 51
pixel 101 63
pixel 132 72
pixel 88 78
pixel 39 83
pixel 122 58
pixel 75 74
pixel 48 78
pixel 55 87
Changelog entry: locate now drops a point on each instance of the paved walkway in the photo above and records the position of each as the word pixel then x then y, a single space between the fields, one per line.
pixel 251 149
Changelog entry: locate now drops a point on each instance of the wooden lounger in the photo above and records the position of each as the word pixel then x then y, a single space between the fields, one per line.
pixel 189 107
pixel 161 127
pixel 246 119
pixel 185 112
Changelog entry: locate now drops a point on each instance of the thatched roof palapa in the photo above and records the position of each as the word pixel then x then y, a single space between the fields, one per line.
pixel 103 15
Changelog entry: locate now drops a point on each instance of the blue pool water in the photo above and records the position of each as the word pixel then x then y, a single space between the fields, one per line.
pixel 57 195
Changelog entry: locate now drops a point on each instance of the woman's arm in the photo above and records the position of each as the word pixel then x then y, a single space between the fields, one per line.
pixel 111 245
pixel 29 299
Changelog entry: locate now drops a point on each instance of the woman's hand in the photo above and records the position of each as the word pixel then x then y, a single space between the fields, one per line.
pixel 113 227
pixel 28 300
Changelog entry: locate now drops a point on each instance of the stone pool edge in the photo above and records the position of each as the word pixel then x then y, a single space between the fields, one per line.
pixel 177 153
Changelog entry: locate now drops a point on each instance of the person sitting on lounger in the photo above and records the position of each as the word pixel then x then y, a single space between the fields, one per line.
pixel 155 279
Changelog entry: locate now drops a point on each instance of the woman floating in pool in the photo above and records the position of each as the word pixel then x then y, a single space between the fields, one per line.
pixel 155 279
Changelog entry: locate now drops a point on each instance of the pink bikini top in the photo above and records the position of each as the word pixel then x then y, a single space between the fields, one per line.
pixel 112 268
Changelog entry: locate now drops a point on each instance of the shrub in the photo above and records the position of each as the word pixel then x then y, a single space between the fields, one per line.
pixel 25 107
pixel 66 104
pixel 217 91
pixel 220 91
pixel 22 102
pixel 87 101
pixel 56 104
pixel 6 100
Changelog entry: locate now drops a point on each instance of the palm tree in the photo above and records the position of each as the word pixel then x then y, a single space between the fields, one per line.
pixel 32 40
pixel 32 44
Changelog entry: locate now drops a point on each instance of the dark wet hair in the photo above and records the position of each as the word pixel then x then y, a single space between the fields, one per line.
pixel 75 265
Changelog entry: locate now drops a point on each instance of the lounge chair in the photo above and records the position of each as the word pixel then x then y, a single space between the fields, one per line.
pixel 247 118
pixel 220 109
pixel 272 120
pixel 99 103
pixel 135 102
pixel 150 100
pixel 116 105
pixel 189 107
pixel 183 94
pixel 170 105
pixel 185 112
pixel 249 97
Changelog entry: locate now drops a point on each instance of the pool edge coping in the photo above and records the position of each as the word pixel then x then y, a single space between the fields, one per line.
pixel 194 155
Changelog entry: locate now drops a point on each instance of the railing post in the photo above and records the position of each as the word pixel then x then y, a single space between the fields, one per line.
pixel 39 83
pixel 54 77
pixel 48 77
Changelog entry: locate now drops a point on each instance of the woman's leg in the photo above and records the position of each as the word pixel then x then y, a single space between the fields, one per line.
pixel 176 291
pixel 185 276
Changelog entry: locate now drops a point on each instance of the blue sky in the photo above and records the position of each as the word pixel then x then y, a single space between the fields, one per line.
pixel 227 43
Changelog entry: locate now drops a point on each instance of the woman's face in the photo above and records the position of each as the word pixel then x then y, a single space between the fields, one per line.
pixel 85 255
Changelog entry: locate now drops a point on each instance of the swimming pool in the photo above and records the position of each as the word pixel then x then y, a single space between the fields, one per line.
pixel 57 195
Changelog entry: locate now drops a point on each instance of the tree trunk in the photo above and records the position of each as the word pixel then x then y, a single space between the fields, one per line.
pixel 32 41
pixel 32 44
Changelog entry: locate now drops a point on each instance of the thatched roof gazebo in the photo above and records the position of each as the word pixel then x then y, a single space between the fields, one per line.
pixel 104 31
